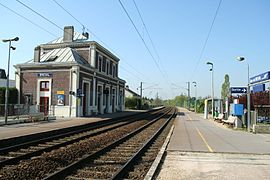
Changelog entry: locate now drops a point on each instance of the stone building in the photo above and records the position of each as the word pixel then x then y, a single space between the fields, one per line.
pixel 71 77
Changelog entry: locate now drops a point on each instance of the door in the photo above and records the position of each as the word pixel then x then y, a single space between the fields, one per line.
pixel 44 105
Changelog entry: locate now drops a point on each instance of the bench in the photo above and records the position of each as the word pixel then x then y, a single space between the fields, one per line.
pixel 36 117
pixel 230 121
pixel 219 118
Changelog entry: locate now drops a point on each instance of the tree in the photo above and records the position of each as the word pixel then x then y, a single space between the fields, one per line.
pixel 225 90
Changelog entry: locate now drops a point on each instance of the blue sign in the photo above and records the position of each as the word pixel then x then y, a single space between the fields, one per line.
pixel 260 78
pixel 238 90
pixel 259 88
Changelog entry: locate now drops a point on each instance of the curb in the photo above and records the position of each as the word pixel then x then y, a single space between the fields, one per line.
pixel 161 154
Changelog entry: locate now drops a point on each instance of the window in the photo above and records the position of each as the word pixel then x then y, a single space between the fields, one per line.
pixel 107 68
pixel 99 63
pixel 110 68
pixel 113 71
pixel 44 86
pixel 104 64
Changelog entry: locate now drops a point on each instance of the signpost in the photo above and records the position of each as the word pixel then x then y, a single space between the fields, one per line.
pixel 238 90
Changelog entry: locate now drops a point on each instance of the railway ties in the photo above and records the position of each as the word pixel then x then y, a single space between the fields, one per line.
pixel 37 165
pixel 117 159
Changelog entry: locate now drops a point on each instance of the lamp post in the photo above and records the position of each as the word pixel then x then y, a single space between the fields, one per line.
pixel 195 85
pixel 212 69
pixel 240 58
pixel 7 85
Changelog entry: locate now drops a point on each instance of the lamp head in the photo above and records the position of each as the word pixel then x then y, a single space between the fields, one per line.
pixel 15 39
pixel 240 58
pixel 209 63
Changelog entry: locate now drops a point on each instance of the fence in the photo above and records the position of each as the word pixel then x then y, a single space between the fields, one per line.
pixel 23 109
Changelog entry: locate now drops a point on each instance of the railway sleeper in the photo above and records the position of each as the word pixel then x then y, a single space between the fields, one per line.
pixel 111 161
pixel 14 154
pixel 2 157
pixel 94 174
pixel 26 150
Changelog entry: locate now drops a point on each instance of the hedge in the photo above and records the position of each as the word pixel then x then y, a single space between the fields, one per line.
pixel 13 95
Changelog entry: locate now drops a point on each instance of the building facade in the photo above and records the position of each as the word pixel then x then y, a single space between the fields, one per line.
pixel 71 77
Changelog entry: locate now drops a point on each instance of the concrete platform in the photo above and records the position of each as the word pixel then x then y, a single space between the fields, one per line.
pixel 204 149
pixel 21 129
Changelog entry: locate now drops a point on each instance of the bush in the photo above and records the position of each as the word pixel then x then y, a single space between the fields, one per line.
pixel 13 95
pixel 131 103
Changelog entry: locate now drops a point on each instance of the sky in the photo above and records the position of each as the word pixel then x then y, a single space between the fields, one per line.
pixel 178 31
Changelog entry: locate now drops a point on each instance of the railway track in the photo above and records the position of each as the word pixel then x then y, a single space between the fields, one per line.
pixel 117 159
pixel 15 153
pixel 64 150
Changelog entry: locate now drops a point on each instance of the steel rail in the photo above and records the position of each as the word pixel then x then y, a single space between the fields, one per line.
pixel 121 172
pixel 60 174
pixel 52 147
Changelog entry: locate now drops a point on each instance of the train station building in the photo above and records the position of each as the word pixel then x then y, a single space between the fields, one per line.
pixel 70 77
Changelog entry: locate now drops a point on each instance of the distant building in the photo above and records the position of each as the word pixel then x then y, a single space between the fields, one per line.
pixel 129 93
pixel 3 79
pixel 71 76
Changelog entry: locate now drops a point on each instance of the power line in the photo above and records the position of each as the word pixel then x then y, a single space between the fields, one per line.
pixel 135 27
pixel 152 43
pixel 207 38
pixel 84 26
pixel 35 24
pixel 39 14
pixel 68 13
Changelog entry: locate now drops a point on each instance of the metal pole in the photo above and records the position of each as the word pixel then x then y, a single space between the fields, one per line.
pixel 213 91
pixel 7 86
pixel 141 95
pixel 196 98
pixel 188 95
pixel 248 102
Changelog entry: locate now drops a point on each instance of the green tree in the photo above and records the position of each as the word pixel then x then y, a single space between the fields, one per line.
pixel 225 89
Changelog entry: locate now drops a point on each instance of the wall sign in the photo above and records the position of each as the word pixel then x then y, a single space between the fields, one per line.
pixel 44 74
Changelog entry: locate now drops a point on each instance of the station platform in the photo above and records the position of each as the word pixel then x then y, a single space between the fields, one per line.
pixel 204 149
pixel 20 129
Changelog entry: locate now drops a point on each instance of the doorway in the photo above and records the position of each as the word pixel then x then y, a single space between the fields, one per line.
pixel 44 105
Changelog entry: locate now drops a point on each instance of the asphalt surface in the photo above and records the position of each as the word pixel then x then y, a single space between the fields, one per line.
pixel 204 149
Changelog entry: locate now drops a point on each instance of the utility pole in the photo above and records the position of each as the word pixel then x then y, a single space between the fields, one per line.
pixel 195 85
pixel 188 95
pixel 141 94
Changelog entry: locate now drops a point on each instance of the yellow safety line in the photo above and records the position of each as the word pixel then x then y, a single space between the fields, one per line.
pixel 204 140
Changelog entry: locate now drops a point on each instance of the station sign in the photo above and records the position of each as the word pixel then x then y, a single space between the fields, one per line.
pixel 260 78
pixel 44 74
pixel 238 90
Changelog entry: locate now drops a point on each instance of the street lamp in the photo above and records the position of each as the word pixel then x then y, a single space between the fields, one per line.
pixel 7 85
pixel 240 58
pixel 195 85
pixel 212 69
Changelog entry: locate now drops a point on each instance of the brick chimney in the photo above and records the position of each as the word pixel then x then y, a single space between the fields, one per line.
pixel 68 33
pixel 37 54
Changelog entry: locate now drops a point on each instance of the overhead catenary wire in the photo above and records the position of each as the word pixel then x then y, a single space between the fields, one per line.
pixel 25 18
pixel 206 40
pixel 98 38
pixel 146 46
pixel 152 43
